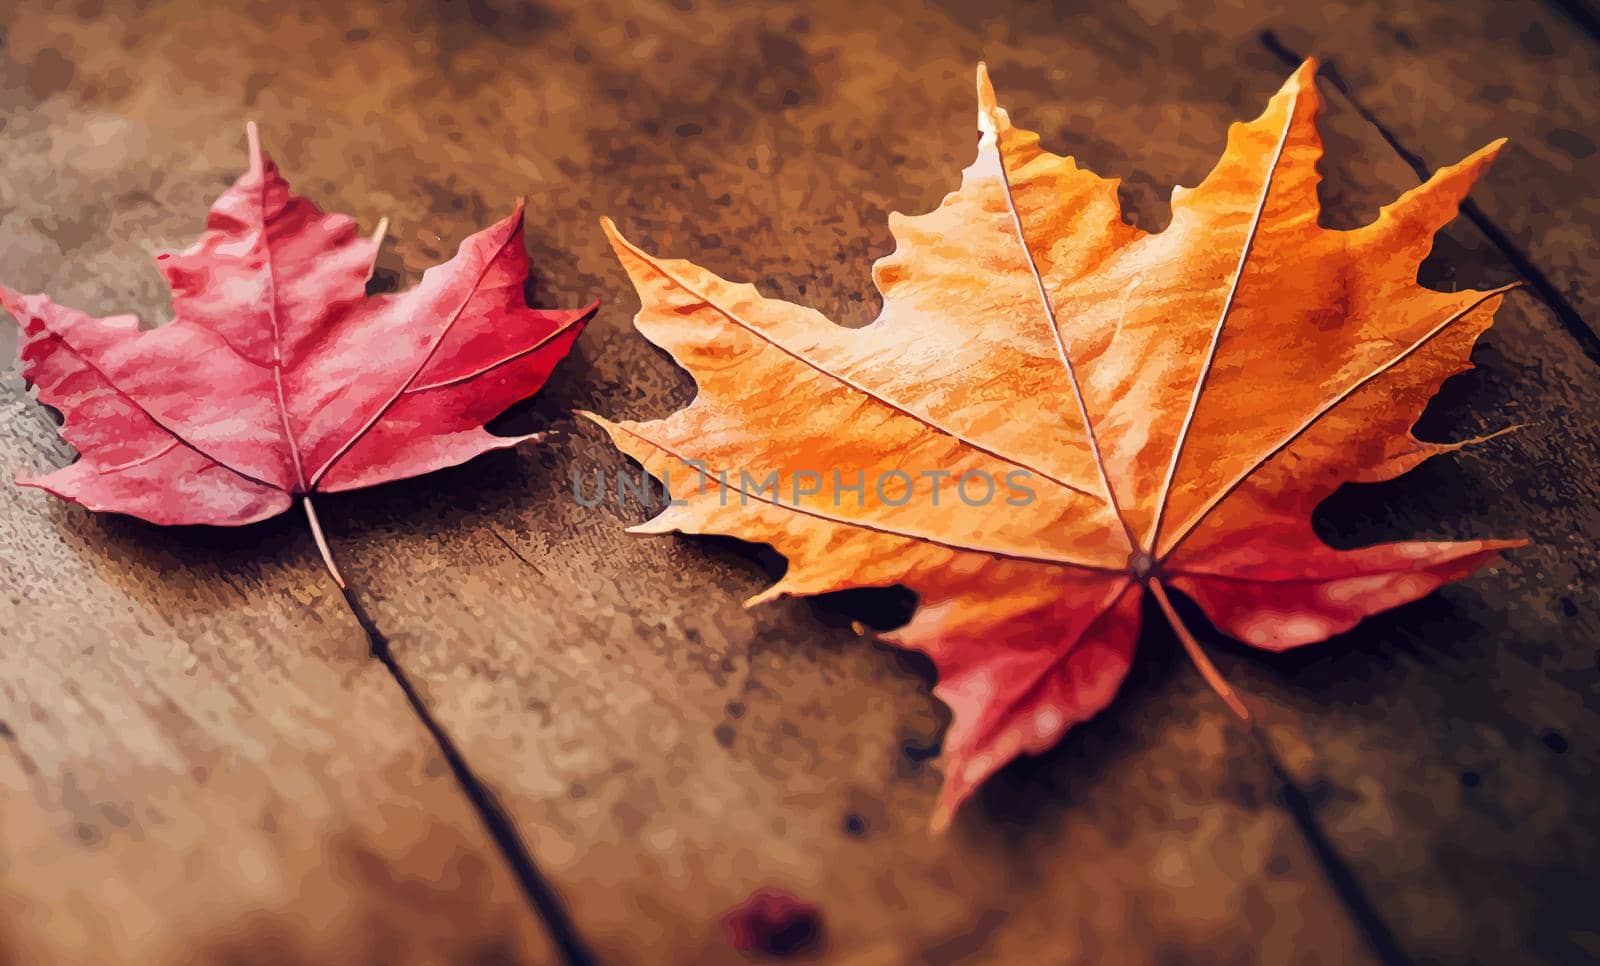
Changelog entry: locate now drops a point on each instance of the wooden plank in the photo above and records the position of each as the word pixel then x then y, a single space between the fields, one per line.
pixel 181 783
pixel 201 764
pixel 666 751
pixel 198 760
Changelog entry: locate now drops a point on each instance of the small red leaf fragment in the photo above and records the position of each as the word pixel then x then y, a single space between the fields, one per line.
pixel 772 922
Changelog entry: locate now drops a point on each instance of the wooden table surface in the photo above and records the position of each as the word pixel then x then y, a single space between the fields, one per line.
pixel 200 760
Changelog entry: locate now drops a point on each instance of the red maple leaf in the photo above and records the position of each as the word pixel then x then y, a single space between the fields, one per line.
pixel 279 376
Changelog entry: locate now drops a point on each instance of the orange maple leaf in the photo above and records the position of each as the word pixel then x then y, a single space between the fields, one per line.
pixel 1148 410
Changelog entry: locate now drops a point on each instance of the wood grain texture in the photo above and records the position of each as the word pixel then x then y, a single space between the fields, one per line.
pixel 664 750
pixel 200 762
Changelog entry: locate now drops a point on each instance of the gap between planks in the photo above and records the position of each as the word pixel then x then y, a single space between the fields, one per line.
pixel 1582 15
pixel 538 890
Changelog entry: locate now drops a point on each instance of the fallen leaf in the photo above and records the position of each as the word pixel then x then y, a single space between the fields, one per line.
pixel 279 376
pixel 1113 412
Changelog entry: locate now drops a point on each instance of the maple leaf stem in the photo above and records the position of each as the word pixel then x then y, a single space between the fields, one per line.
pixel 1203 663
pixel 377 243
pixel 322 542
